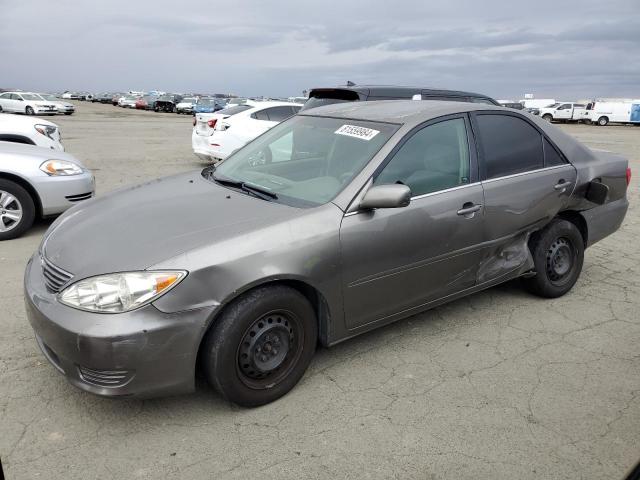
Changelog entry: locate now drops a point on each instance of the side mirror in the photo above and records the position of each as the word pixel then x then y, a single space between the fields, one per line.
pixel 386 196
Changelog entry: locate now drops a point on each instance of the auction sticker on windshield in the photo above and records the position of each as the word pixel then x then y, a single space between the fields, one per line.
pixel 357 132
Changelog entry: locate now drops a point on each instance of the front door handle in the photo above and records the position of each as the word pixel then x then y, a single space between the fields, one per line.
pixel 562 185
pixel 469 209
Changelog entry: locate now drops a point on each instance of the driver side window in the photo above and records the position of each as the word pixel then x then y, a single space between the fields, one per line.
pixel 434 158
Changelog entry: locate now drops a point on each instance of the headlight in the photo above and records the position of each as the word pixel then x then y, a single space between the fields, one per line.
pixel 46 130
pixel 60 168
pixel 119 292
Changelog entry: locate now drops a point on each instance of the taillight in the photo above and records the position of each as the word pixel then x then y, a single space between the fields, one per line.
pixel 628 176
pixel 194 121
pixel 212 123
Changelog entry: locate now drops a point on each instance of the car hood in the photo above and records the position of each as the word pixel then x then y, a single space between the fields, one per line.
pixel 138 227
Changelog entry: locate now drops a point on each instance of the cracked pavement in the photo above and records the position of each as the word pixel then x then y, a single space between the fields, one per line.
pixel 498 385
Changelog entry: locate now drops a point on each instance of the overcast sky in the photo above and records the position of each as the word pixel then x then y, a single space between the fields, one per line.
pixel 551 48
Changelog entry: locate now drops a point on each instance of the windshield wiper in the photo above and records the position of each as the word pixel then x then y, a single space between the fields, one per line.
pixel 250 188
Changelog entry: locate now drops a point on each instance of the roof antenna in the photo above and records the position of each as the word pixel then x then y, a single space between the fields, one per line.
pixel 350 83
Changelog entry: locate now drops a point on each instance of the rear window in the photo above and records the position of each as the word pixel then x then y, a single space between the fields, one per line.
pixel 235 109
pixel 319 98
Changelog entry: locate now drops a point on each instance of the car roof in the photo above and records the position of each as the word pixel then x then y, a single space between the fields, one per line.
pixel 396 111
pixel 271 103
pixel 401 90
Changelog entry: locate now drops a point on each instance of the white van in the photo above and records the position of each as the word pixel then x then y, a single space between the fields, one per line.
pixel 564 111
pixel 602 112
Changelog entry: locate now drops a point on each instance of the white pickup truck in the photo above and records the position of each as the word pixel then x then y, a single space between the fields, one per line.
pixel 564 112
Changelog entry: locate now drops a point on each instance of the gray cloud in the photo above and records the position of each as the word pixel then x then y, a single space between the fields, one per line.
pixel 564 49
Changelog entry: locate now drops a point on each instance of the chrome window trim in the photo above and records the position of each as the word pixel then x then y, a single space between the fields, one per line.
pixel 424 195
pixel 555 167
pixel 438 192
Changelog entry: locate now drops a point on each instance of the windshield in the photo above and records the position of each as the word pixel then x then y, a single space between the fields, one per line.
pixel 235 109
pixel 206 101
pixel 553 105
pixel 30 96
pixel 306 161
pixel 188 100
pixel 49 97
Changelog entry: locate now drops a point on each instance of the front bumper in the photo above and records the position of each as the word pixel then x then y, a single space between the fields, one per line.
pixel 58 194
pixel 142 353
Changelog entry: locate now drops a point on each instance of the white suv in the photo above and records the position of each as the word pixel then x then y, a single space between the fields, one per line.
pixel 216 135
pixel 27 103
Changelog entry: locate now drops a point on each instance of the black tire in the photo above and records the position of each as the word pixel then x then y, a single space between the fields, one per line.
pixel 603 121
pixel 558 255
pixel 29 110
pixel 548 117
pixel 68 113
pixel 261 345
pixel 27 207
pixel 0 108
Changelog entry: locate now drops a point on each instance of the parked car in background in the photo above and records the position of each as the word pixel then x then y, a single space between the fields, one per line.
pixel 30 131
pixel 563 112
pixel 104 97
pixel 209 105
pixel 216 136
pixel 167 103
pixel 352 93
pixel 128 101
pixel 36 182
pixel 148 102
pixel 602 112
pixel 375 211
pixel 186 105
pixel 71 95
pixel 61 106
pixel 115 99
pixel 27 103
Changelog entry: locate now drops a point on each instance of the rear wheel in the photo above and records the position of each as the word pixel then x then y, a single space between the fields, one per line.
pixel 29 111
pixel 548 117
pixel 603 121
pixel 260 346
pixel 17 210
pixel 558 255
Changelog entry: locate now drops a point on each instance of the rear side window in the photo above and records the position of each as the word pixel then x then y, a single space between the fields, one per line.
pixel 551 155
pixel 509 145
pixel 278 114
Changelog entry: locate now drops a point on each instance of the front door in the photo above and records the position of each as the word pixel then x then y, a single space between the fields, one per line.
pixel 394 260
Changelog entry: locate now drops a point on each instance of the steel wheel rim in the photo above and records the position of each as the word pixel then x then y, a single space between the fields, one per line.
pixel 10 211
pixel 269 349
pixel 560 261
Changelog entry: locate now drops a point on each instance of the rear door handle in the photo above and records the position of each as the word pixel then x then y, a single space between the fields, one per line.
pixel 469 209
pixel 562 185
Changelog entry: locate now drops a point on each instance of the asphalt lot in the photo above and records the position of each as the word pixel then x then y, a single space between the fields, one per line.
pixel 498 385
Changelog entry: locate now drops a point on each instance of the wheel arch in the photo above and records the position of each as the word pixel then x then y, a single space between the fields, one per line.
pixel 579 221
pixel 28 187
pixel 315 297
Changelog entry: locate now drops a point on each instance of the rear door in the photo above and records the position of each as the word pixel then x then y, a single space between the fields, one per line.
pixel 526 182
pixel 398 259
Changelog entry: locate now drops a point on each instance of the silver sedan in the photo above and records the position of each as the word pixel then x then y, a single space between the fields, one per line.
pixel 38 182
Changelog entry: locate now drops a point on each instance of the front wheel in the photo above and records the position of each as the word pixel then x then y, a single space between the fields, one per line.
pixel 558 255
pixel 548 117
pixel 29 111
pixel 261 345
pixel 17 210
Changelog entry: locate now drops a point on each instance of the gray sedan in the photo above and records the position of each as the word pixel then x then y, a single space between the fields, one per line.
pixel 337 221
pixel 38 182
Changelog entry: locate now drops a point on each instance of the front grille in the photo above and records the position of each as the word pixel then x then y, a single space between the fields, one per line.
pixel 54 277
pixel 105 378
pixel 79 197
